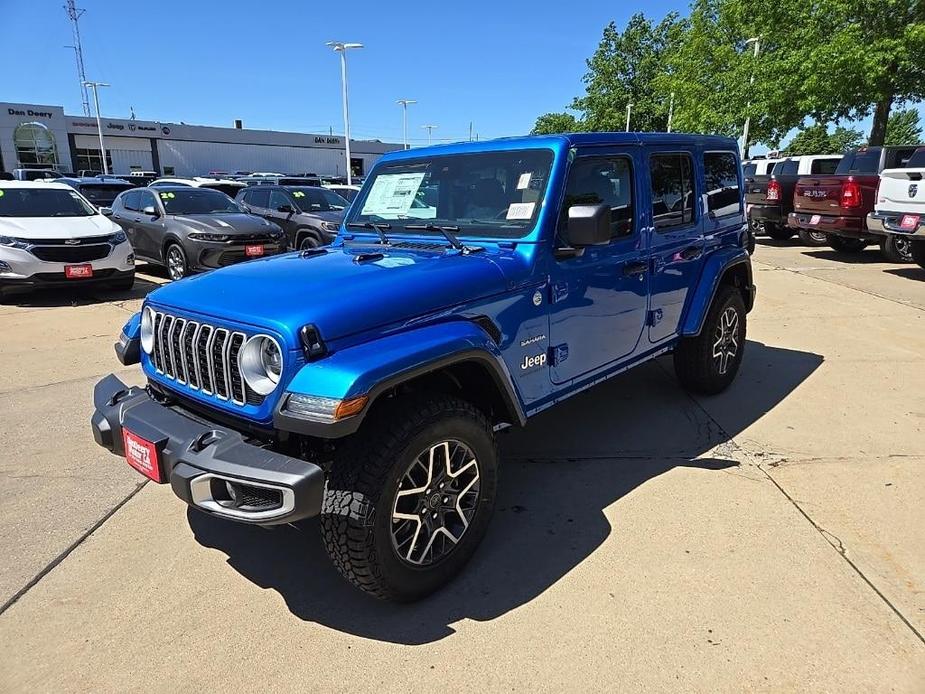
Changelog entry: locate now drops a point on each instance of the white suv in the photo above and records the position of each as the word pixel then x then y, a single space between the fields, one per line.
pixel 50 235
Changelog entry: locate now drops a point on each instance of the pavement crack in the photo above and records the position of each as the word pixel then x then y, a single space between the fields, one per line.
pixel 70 548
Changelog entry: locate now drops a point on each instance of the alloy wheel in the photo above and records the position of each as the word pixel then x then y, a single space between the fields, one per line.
pixel 903 248
pixel 818 236
pixel 726 343
pixel 437 497
pixel 175 263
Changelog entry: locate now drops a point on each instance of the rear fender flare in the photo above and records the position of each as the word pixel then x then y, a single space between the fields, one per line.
pixel 714 269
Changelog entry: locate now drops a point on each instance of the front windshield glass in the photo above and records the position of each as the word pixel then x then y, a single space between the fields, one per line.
pixel 42 202
pixel 483 194
pixel 101 194
pixel 197 201
pixel 311 199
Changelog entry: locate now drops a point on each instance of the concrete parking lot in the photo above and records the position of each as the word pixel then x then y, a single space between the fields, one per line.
pixel 771 538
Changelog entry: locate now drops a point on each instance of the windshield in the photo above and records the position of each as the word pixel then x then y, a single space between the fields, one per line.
pixel 101 195
pixel 42 202
pixel 483 194
pixel 197 201
pixel 310 199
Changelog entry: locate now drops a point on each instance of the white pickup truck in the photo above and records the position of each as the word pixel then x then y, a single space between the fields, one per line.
pixel 899 209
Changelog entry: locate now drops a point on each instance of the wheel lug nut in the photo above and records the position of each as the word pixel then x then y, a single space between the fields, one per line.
pixel 427 492
pixel 435 515
pixel 445 499
pixel 441 485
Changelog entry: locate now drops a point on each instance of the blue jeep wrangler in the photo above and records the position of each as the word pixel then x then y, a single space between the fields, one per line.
pixel 471 287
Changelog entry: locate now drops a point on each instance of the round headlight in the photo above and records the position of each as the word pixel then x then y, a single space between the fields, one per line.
pixel 147 329
pixel 261 364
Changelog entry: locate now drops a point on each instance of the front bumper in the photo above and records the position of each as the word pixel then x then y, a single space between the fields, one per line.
pixel 51 280
pixel 199 457
pixel 208 255
pixel 850 227
pixel 889 223
pixel 22 268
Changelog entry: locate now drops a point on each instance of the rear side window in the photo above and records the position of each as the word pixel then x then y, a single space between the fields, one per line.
pixel 861 161
pixel 748 171
pixel 917 160
pixel 672 190
pixel 788 167
pixel 131 200
pixel 595 181
pixel 899 158
pixel 722 183
pixel 257 198
pixel 824 167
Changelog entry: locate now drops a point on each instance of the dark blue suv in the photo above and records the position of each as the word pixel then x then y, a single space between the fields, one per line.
pixel 471 287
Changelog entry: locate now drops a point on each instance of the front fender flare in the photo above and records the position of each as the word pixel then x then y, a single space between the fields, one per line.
pixel 714 268
pixel 376 366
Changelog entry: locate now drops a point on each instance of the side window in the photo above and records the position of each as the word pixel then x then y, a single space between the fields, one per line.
pixel 823 167
pixel 672 190
pixel 277 199
pixel 789 167
pixel 593 181
pixel 146 199
pixel 131 199
pixel 720 173
pixel 258 198
pixel 902 158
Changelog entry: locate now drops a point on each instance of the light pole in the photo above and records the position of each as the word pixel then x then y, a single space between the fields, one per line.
pixel 404 118
pixel 629 109
pixel 670 111
pixel 748 104
pixel 99 126
pixel 342 48
pixel 430 129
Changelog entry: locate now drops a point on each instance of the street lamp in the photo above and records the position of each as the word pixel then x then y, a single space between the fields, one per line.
pixel 748 105
pixel 430 129
pixel 99 126
pixel 404 118
pixel 629 109
pixel 342 48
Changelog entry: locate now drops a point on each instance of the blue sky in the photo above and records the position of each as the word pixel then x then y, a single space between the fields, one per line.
pixel 496 64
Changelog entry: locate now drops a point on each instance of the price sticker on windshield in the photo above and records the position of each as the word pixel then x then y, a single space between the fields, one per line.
pixel 520 210
pixel 392 194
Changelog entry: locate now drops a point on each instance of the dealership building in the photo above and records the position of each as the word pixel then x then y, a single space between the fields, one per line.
pixel 37 136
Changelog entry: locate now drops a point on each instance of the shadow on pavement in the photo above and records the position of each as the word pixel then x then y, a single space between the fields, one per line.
pixel 869 255
pixel 912 272
pixel 78 296
pixel 557 477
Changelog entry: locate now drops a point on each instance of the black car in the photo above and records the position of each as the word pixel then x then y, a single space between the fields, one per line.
pixel 189 229
pixel 310 216
pixel 100 190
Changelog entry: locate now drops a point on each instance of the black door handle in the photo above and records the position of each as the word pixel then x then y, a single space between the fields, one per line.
pixel 637 268
pixel 691 253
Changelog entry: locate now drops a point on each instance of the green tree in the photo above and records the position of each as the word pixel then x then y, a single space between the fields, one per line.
pixel 623 71
pixel 903 128
pixel 843 139
pixel 816 139
pixel 554 123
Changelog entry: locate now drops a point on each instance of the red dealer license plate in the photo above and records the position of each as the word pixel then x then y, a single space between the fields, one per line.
pixel 815 219
pixel 909 222
pixel 74 272
pixel 141 454
pixel 253 251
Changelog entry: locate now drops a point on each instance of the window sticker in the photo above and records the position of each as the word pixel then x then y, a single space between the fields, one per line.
pixel 167 196
pixel 392 194
pixel 524 181
pixel 520 210
pixel 2 193
pixel 298 194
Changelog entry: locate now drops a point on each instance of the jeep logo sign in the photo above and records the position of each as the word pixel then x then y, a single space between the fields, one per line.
pixel 537 360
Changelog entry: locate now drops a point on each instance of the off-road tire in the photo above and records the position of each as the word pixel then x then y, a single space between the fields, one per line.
pixel 918 253
pixel 778 232
pixel 694 362
pixel 813 238
pixel 363 482
pixel 896 249
pixel 844 244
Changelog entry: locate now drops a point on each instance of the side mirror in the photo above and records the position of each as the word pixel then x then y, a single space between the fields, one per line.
pixel 589 225
pixel 151 211
pixel 106 211
pixel 288 209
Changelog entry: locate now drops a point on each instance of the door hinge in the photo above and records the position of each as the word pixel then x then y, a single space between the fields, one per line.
pixel 557 292
pixel 559 354
pixel 655 317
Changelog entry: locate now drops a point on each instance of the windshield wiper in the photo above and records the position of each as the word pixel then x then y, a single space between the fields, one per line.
pixel 378 228
pixel 446 230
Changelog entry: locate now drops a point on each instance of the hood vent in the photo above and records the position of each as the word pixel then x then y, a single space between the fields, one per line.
pixel 309 252
pixel 367 257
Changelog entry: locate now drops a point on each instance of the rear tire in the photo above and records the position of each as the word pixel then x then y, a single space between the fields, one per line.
pixel 778 232
pixel 708 363
pixel 813 238
pixel 843 244
pixel 896 249
pixel 918 253
pixel 399 528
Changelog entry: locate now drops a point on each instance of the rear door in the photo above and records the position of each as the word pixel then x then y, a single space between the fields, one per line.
pixel 676 240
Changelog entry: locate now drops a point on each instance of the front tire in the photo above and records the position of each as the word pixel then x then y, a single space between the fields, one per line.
pixel 409 498
pixel 778 232
pixel 918 253
pixel 843 244
pixel 813 238
pixel 708 363
pixel 308 242
pixel 175 259
pixel 896 249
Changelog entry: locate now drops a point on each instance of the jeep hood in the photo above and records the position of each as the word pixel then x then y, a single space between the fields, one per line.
pixel 343 291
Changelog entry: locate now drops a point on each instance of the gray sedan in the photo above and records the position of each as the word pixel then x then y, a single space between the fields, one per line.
pixel 192 229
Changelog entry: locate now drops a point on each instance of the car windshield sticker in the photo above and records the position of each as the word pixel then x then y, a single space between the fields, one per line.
pixel 2 193
pixel 524 181
pixel 167 196
pixel 520 210
pixel 298 194
pixel 392 194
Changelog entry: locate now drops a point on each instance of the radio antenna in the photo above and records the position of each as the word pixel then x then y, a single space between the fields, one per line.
pixel 74 13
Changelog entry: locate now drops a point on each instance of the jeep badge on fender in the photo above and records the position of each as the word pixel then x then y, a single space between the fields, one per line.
pixel 459 269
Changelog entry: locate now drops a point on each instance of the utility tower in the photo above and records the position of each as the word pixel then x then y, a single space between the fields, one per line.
pixel 74 13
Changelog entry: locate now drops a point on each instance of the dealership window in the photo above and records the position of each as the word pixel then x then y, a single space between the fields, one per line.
pixel 90 159
pixel 35 145
pixel 721 175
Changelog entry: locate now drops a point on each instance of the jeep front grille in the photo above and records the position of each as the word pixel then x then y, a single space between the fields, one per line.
pixel 201 356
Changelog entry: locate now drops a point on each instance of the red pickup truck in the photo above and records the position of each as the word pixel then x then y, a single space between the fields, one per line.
pixel 838 204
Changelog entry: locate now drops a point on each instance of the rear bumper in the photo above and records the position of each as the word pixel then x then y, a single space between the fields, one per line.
pixel 889 223
pixel 851 227
pixel 767 213
pixel 199 457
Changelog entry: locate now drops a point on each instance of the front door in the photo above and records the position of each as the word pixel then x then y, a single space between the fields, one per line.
pixel 280 202
pixel 149 229
pixel 599 295
pixel 677 242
